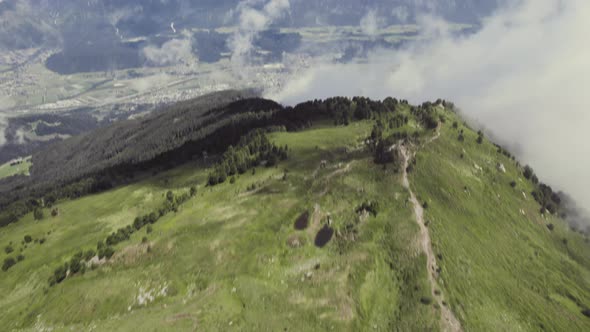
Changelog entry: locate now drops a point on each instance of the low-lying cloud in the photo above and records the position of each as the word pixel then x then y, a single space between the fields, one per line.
pixel 523 76
pixel 172 52
pixel 252 19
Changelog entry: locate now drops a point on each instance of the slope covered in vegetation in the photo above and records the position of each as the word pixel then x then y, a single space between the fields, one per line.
pixel 326 237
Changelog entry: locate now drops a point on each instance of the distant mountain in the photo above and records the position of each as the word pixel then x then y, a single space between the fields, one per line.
pixel 27 23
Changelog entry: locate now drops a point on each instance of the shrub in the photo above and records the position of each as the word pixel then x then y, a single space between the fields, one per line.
pixel 371 207
pixel 8 263
pixel 89 254
pixel 513 184
pixel 586 312
pixel 528 172
pixel 455 125
pixel 425 205
pixel 479 139
pixel 138 223
pixel 42 240
pixel 54 212
pixel 461 138
pixel 170 196
pixel 109 252
pixel 60 273
pixel 149 229
pixel 8 249
pixel 38 214
pixel 75 265
pixel 550 227
pixel 28 239
pixel 193 191
pixel 144 239
pixel 20 257
pixel 232 180
pixel 426 300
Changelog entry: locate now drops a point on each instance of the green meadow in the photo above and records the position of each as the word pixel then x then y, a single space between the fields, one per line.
pixel 231 258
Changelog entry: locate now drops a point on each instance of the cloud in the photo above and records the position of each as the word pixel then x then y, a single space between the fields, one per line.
pixel 172 52
pixel 401 14
pixel 371 23
pixel 251 21
pixel 3 126
pixel 524 76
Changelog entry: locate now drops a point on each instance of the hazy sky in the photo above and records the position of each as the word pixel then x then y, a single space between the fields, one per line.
pixel 524 76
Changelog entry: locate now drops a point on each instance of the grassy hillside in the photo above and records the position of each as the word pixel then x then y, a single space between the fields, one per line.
pixel 7 169
pixel 502 265
pixel 231 257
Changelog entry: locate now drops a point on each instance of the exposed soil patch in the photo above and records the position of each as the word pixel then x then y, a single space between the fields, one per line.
pixel 324 236
pixel 450 322
pixel 294 241
pixel 302 221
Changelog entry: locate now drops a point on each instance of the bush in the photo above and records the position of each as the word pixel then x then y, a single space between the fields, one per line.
pixel 8 249
pixel 60 273
pixel 8 263
pixel 479 139
pixel 193 191
pixel 38 214
pixel 144 239
pixel 586 312
pixel 426 300
pixel 42 240
pixel 89 254
pixel 20 257
pixel 75 265
pixel 170 196
pixel 513 184
pixel 149 229
pixel 528 172
pixel 108 252
pixel 28 239
pixel 54 212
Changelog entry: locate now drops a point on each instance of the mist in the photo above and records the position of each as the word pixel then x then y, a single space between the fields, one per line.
pixel 172 52
pixel 252 19
pixel 522 77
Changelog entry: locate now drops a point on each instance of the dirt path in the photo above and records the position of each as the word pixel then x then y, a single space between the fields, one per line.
pixel 449 321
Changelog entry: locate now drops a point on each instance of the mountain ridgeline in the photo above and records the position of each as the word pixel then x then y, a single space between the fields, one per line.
pixel 231 211
pixel 189 130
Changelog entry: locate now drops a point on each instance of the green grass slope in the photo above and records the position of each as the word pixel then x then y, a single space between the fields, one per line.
pixel 7 170
pixel 231 259
pixel 502 267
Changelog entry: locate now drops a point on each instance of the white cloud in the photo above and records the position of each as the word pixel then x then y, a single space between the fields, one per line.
pixel 172 52
pixel 371 23
pixel 252 21
pixel 524 76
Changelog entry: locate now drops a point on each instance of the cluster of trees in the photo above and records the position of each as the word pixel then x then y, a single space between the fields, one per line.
pixel 372 207
pixel 104 249
pixel 252 150
pixel 8 263
pixel 505 152
pixel 426 115
pixel 382 147
pixel 543 194
pixel 118 154
pixel 479 137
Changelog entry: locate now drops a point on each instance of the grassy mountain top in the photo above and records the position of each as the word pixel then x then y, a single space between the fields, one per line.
pixel 328 239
